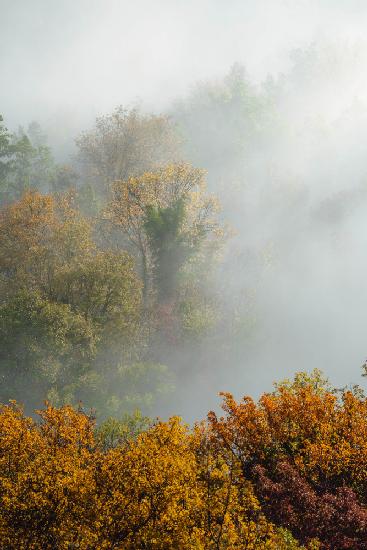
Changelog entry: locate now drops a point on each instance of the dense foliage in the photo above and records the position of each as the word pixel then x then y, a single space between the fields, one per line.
pixel 103 265
pixel 284 473
pixel 65 303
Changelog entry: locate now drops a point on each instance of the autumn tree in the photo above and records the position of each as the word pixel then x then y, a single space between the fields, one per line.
pixel 125 143
pixel 47 470
pixel 303 447
pixel 168 487
pixel 166 217
pixel 38 236
pixel 71 314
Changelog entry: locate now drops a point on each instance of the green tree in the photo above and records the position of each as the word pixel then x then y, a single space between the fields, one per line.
pixel 113 390
pixel 104 289
pixel 114 432
pixel 6 155
pixel 43 345
pixel 65 179
pixel 20 179
pixel 170 245
pixel 24 164
pixel 222 122
pixel 34 166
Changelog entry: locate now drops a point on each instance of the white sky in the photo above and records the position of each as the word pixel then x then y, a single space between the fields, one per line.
pixel 83 57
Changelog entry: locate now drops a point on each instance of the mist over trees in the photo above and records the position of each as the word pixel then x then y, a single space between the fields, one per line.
pixel 102 277
pixel 214 207
pixel 173 224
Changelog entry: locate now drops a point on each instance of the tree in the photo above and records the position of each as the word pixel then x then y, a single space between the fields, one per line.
pixel 36 135
pixel 104 289
pixel 114 388
pixel 165 488
pixel 115 432
pixel 34 165
pixel 21 176
pixel 6 154
pixel 43 347
pixel 39 236
pixel 70 312
pixel 24 165
pixel 303 446
pixel 223 122
pixel 170 246
pixel 165 216
pixel 123 144
pixel 337 518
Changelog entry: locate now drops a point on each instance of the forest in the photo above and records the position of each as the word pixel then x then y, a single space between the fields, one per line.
pixel 155 262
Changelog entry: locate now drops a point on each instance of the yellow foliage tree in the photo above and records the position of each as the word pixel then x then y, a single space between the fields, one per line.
pixel 168 488
pixel 39 235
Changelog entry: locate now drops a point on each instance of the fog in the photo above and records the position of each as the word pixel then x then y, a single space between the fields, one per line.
pixel 293 186
pixel 68 62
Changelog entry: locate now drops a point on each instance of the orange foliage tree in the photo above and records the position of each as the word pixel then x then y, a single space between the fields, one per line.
pixel 168 488
pixel 287 472
pixel 304 448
